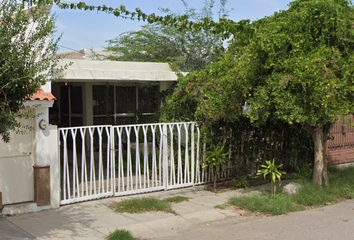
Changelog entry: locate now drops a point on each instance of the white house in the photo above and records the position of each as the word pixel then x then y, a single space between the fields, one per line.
pixel 91 92
pixel 95 92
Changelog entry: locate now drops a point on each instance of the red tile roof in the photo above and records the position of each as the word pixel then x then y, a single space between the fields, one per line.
pixel 42 96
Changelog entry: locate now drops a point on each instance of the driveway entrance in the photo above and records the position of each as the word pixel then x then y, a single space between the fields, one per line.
pixel 103 161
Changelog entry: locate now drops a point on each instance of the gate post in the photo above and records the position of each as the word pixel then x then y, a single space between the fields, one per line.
pixel 165 157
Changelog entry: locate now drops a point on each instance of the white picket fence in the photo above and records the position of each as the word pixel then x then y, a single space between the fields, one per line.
pixel 103 161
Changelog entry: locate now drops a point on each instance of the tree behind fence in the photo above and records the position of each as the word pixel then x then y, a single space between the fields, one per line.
pixel 252 146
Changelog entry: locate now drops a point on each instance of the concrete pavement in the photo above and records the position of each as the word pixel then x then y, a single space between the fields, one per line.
pixel 325 223
pixel 197 219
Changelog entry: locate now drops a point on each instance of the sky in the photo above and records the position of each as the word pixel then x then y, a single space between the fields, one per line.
pixel 91 29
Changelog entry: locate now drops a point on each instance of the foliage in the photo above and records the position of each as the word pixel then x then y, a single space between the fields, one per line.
pixel 248 143
pixel 121 235
pixel 241 183
pixel 187 49
pixel 141 205
pixel 176 199
pixel 304 172
pixel 292 67
pixel 208 95
pixel 222 206
pixel 305 68
pixel 264 204
pixel 274 173
pixel 26 61
pixel 341 188
pixel 271 169
pixel 216 159
pixel 303 57
pixel 225 27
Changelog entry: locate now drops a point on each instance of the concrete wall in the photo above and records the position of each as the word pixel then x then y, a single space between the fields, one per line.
pixel 44 152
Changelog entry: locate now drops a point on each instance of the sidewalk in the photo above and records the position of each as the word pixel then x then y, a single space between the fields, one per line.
pixel 94 220
pixel 197 219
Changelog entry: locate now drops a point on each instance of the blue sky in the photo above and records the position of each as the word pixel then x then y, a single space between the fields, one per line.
pixel 85 29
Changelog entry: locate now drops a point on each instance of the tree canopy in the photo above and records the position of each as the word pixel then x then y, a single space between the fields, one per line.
pixel 26 58
pixel 299 68
pixel 295 66
pixel 187 49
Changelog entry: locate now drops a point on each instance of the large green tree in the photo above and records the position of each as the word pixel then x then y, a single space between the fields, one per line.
pixel 295 66
pixel 26 61
pixel 299 68
pixel 188 49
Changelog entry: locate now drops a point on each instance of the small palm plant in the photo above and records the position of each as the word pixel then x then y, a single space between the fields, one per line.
pixel 214 159
pixel 275 174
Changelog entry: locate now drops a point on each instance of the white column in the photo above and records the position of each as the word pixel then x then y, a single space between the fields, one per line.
pixel 46 150
pixel 53 142
pixel 41 138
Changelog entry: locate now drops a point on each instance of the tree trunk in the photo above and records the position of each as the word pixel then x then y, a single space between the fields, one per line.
pixel 319 136
pixel 318 166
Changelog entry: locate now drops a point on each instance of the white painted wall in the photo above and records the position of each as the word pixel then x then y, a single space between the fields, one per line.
pixel 46 152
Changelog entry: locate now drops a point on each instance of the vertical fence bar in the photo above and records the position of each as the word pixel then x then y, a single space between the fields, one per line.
pixel 121 176
pixel 112 160
pixel 160 156
pixel 108 159
pixel 186 155
pixel 137 159
pixel 92 162
pixel 172 158
pixel 65 163
pixel 84 186
pixel 154 164
pixel 179 157
pixel 100 172
pixel 146 158
pixel 198 180
pixel 192 154
pixel 129 163
pixel 75 181
pixel 165 157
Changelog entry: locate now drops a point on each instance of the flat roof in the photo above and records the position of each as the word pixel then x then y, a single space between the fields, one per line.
pixel 94 71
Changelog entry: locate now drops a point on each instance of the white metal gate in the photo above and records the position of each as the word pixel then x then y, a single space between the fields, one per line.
pixel 102 161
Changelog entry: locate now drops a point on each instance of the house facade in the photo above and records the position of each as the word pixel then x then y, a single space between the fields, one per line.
pixel 93 92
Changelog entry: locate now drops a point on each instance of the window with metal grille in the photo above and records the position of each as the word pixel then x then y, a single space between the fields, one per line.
pixel 123 105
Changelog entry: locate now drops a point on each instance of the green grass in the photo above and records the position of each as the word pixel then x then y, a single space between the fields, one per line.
pixel 341 187
pixel 121 235
pixel 141 205
pixel 222 206
pixel 176 199
pixel 267 205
